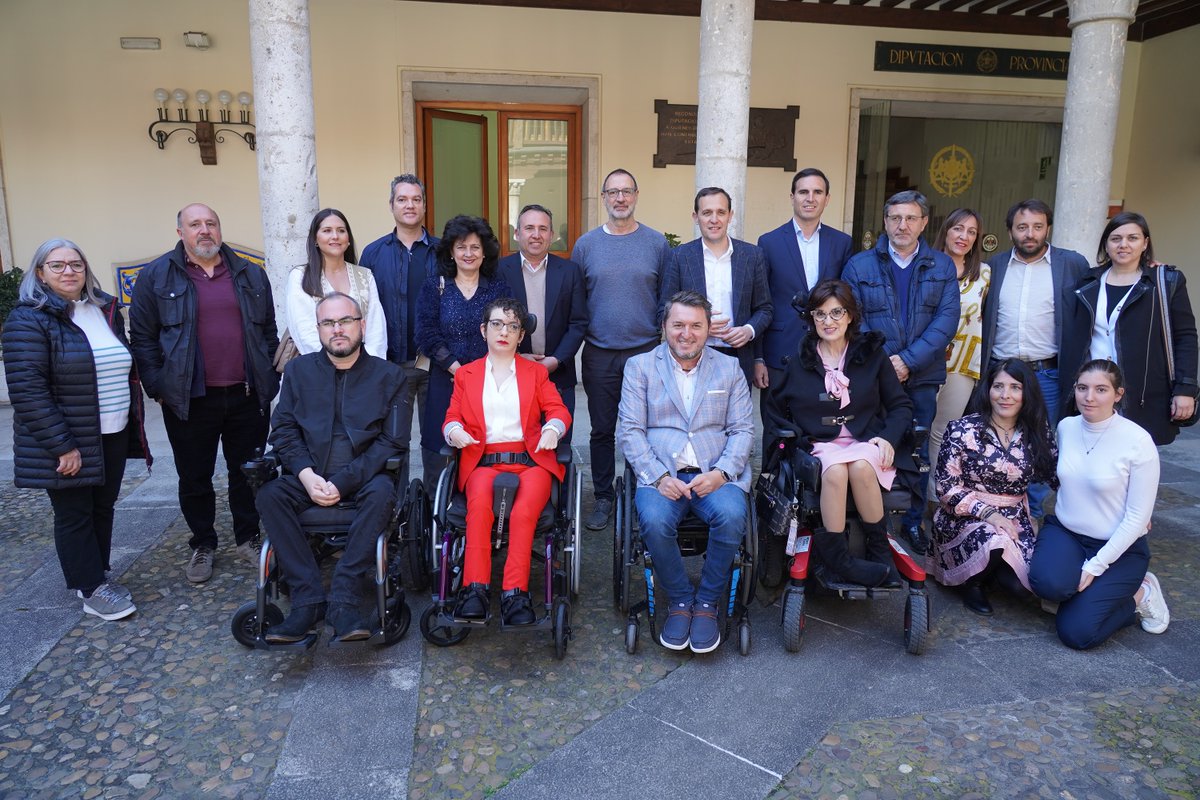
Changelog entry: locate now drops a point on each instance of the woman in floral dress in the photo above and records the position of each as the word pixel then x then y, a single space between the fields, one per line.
pixel 988 459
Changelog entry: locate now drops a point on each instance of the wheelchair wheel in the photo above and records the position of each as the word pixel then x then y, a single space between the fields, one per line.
pixel 620 549
pixel 631 636
pixel 793 620
pixel 440 635
pixel 575 573
pixel 562 628
pixel 399 617
pixel 414 567
pixel 245 620
pixel 744 637
pixel 916 623
pixel 772 550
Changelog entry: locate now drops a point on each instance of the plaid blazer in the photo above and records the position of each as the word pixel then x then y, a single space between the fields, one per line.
pixel 653 428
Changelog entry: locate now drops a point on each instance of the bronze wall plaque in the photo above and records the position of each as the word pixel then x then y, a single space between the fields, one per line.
pixel 772 136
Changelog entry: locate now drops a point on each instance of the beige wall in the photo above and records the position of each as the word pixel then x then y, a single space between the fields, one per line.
pixel 74 107
pixel 1164 164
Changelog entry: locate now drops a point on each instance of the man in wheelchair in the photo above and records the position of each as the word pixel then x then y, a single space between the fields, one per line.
pixel 330 432
pixel 496 418
pixel 686 429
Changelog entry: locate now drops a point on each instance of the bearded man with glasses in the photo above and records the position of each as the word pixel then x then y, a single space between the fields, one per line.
pixel 909 293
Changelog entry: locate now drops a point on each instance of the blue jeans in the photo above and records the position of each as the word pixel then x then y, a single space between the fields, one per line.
pixel 1088 618
pixel 724 511
pixel 1048 382
pixel 924 400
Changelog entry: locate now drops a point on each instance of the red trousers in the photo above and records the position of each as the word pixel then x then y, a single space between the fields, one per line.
pixel 531 498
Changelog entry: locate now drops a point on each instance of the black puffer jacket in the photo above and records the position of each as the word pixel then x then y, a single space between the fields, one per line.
pixel 51 378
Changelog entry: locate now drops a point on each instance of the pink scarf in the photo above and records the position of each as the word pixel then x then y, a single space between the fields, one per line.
pixel 836 382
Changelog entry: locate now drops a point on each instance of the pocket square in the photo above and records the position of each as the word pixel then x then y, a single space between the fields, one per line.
pixel 718 391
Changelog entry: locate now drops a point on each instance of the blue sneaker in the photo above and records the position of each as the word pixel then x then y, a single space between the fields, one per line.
pixel 674 635
pixel 706 628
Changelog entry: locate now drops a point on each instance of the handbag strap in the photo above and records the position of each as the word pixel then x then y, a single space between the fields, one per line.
pixel 1160 291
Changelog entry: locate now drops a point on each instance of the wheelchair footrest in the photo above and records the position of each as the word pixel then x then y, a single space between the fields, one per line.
pixel 856 591
pixel 307 643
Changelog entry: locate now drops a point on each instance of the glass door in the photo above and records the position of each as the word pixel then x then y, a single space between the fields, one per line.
pixel 539 164
pixel 456 166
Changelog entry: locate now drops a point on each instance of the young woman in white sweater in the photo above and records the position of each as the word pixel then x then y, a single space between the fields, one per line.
pixel 1091 556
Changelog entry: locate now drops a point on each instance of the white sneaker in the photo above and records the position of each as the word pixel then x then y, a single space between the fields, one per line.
pixel 1153 608
pixel 108 604
pixel 116 587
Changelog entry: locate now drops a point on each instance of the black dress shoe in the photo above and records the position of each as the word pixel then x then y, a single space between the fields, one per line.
pixel 299 623
pixel 472 602
pixel 975 599
pixel 516 608
pixel 348 624
pixel 916 536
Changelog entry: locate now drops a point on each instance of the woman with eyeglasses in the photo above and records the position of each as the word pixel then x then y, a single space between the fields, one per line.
pixel 506 416
pixel 841 395
pixel 331 268
pixel 449 310
pixel 77 413
pixel 959 238
pixel 1091 556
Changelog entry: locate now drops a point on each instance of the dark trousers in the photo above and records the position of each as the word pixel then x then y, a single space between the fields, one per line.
pixel 603 375
pixel 280 502
pixel 568 397
pixel 1088 618
pixel 416 385
pixel 83 519
pixel 924 400
pixel 224 415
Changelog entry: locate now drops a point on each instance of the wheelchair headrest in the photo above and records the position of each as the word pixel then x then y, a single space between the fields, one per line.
pixel 529 324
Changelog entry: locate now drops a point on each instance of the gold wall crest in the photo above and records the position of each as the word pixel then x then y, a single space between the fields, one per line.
pixel 951 171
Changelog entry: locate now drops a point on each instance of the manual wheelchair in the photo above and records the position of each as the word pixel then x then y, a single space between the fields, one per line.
pixel 788 502
pixel 397 556
pixel 630 553
pixel 557 533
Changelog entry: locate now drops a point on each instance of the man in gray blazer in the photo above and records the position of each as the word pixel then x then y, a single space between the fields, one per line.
pixel 685 426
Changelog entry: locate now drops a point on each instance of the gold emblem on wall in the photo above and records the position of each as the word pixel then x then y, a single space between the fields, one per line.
pixel 951 171
pixel 990 243
pixel 987 61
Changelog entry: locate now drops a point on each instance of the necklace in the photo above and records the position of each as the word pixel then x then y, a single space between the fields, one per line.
pixel 1088 450
pixel 1003 434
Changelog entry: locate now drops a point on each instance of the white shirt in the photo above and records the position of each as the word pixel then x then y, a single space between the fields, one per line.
pixel 718 285
pixel 113 363
pixel 686 383
pixel 810 254
pixel 1025 316
pixel 501 405
pixel 903 261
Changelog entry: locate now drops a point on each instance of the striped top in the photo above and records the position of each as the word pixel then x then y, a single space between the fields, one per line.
pixel 113 362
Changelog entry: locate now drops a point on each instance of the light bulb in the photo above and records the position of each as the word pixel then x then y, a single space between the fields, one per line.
pixel 244 98
pixel 202 97
pixel 161 95
pixel 180 96
pixel 224 97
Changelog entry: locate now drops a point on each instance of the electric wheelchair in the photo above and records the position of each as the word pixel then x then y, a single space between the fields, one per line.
pixel 788 503
pixel 557 534
pixel 631 554
pixel 397 557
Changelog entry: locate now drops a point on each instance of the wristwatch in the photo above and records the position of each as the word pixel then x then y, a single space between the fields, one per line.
pixel 728 478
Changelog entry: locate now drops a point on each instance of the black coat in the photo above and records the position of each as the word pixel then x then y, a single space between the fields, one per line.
pixel 1141 352
pixel 878 403
pixel 162 324
pixel 51 376
pixel 302 425
pixel 566 311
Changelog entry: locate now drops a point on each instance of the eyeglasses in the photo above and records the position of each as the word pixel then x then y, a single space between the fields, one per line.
pixel 498 325
pixel 834 314
pixel 330 324
pixel 59 267
pixel 613 194
pixel 896 219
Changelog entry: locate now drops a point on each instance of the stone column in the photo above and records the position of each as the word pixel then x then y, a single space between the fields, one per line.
pixel 280 58
pixel 723 116
pixel 1098 30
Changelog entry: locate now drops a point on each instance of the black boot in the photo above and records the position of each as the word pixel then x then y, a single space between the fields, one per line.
pixel 835 553
pixel 348 623
pixel 516 607
pixel 975 598
pixel 299 623
pixel 472 602
pixel 879 551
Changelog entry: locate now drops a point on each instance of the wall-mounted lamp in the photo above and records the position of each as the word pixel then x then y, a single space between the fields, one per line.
pixel 202 131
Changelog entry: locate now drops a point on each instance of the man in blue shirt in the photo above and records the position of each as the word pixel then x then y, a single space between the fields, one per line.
pixel 401 261
pixel 908 291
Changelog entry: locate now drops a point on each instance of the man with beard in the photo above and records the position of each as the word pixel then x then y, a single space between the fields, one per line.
pixel 1022 313
pixel 202 330
pixel 686 429
pixel 331 433
pixel 623 262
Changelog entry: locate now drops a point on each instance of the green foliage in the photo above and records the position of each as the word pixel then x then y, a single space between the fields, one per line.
pixel 10 282
pixel 672 239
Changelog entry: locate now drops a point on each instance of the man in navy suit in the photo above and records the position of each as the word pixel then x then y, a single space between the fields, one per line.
pixel 800 254
pixel 552 289
pixel 730 273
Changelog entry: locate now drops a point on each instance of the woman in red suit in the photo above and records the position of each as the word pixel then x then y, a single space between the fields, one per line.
pixel 496 418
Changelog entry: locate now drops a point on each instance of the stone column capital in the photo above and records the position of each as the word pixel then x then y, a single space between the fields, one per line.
pixel 1084 11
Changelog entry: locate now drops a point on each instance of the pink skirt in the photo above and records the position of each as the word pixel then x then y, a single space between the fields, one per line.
pixel 846 449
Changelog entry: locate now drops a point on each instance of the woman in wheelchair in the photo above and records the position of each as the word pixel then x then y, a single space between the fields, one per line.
pixel 842 395
pixel 496 418
pixel 981 528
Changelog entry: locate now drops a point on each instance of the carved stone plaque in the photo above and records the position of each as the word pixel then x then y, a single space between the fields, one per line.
pixel 772 136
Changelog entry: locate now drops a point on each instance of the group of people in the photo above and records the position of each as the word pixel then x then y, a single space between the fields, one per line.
pixel 673 342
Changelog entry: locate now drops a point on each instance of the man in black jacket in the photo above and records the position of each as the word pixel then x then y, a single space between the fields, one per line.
pixel 203 334
pixel 332 434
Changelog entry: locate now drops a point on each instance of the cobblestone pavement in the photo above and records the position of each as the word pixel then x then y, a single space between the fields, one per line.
pixel 166 704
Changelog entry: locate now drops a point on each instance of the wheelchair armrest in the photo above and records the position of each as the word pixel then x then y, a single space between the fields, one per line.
pixel 260 469
pixel 808 469
pixel 563 452
pixel 783 433
pixel 394 464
